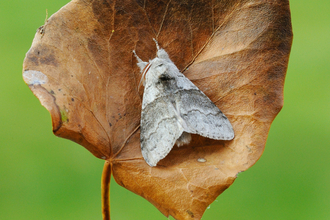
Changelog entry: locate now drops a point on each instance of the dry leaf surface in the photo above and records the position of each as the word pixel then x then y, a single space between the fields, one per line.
pixel 82 69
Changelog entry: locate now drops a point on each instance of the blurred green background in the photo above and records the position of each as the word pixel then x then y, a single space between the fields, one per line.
pixel 45 177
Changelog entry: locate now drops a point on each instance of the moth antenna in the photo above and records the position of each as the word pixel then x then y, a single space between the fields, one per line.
pixel 137 57
pixel 161 53
pixel 156 43
pixel 140 62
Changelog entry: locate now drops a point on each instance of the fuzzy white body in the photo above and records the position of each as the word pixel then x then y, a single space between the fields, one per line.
pixel 173 108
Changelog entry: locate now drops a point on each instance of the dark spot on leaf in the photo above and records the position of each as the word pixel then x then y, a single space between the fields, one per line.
pixel 276 72
pixel 32 58
pixel 42 55
pixel 121 183
pixel 72 99
pixel 41 29
pixel 190 213
pixel 48 58
pixel 270 98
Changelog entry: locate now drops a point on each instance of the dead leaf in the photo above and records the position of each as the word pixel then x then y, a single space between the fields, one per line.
pixel 82 69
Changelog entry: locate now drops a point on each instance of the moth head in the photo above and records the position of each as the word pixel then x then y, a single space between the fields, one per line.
pixel 159 67
pixel 154 70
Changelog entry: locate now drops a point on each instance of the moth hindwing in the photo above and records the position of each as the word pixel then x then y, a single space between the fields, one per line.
pixel 173 108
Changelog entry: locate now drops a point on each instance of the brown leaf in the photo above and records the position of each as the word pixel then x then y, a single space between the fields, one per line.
pixel 82 69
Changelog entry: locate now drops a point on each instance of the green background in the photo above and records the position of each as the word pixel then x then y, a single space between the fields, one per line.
pixel 45 177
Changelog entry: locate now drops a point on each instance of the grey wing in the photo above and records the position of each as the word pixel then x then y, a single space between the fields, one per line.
pixel 203 117
pixel 159 129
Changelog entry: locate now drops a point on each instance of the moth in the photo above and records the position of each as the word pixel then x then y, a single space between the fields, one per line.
pixel 173 108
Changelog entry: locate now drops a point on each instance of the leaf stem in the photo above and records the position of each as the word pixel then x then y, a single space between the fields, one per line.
pixel 105 190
